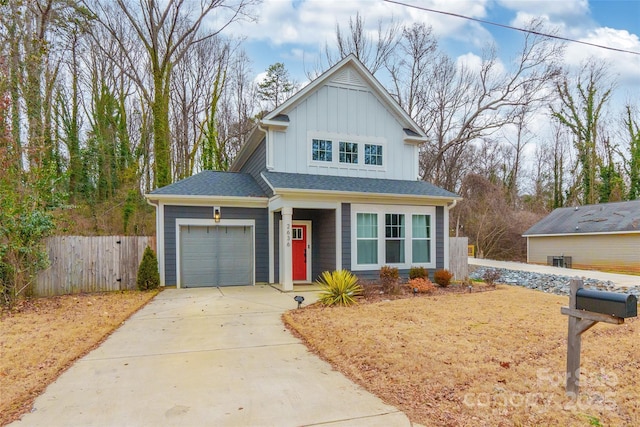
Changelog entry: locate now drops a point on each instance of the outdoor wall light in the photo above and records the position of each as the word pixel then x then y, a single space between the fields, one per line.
pixel 216 214
pixel 299 299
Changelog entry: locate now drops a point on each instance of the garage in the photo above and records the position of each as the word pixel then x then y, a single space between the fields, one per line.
pixel 216 255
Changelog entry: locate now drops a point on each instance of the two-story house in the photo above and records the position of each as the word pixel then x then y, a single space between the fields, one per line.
pixel 326 181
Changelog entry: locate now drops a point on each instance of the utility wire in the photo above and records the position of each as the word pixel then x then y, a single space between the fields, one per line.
pixel 512 28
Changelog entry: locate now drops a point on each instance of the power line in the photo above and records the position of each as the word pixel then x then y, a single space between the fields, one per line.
pixel 512 28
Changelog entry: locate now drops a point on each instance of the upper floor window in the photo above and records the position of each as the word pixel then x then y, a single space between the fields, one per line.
pixel 322 150
pixel 349 152
pixel 373 154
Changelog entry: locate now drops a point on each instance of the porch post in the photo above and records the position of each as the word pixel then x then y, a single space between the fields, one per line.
pixel 287 264
pixel 271 247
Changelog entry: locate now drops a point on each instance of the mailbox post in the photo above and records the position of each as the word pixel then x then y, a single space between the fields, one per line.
pixel 586 308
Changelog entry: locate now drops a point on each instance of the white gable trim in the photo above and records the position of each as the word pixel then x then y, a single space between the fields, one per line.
pixel 336 72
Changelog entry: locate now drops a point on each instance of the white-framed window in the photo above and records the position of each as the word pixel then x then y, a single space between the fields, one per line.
pixel 321 150
pixel 398 235
pixel 373 154
pixel 394 242
pixel 421 238
pixel 349 152
pixel 367 238
pixel 333 150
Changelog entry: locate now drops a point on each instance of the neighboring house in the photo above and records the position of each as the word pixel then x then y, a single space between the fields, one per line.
pixel 604 236
pixel 326 181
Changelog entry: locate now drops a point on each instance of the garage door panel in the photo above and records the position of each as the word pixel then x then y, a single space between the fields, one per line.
pixel 216 256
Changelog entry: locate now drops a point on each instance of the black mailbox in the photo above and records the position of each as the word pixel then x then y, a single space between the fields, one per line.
pixel 615 304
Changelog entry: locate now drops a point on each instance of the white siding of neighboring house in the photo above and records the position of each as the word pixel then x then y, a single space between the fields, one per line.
pixel 620 251
pixel 348 112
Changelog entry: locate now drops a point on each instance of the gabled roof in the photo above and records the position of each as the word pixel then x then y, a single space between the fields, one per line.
pixel 617 217
pixel 340 184
pixel 213 183
pixel 340 72
pixel 350 72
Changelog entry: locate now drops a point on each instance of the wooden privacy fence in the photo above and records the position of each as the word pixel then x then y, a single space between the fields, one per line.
pixel 458 257
pixel 91 264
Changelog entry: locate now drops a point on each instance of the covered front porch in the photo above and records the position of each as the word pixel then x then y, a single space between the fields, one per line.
pixel 305 239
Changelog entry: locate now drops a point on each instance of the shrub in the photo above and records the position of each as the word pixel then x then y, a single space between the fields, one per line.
pixel 390 280
pixel 442 277
pixel 422 285
pixel 418 272
pixel 338 288
pixel 148 275
pixel 491 276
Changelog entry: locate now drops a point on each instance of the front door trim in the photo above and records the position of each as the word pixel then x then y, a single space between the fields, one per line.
pixel 309 252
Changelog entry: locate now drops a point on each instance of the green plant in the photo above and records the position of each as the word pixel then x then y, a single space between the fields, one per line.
pixel 421 285
pixel 338 287
pixel 390 280
pixel 418 272
pixel 442 277
pixel 148 275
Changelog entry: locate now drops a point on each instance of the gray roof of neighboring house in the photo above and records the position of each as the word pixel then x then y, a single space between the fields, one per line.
pixel 602 218
pixel 214 183
pixel 353 184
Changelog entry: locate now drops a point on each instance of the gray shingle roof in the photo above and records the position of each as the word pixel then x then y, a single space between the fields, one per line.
pixel 353 184
pixel 214 183
pixel 602 218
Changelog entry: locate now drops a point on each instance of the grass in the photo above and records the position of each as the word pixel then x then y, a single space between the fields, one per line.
pixel 44 336
pixel 481 359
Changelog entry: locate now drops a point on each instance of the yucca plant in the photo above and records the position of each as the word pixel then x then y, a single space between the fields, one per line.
pixel 338 288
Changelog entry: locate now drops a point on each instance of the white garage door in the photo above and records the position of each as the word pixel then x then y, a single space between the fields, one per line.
pixel 216 256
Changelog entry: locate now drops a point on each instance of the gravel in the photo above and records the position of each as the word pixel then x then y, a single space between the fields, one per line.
pixel 550 283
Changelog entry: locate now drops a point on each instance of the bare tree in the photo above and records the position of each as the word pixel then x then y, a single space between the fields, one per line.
pixel 374 54
pixel 167 30
pixel 467 104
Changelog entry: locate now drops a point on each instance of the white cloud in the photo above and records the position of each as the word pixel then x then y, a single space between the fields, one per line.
pixel 473 62
pixel 313 22
pixel 625 66
pixel 556 9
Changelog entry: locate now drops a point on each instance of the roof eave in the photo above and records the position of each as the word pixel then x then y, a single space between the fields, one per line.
pixel 360 195
pixel 249 201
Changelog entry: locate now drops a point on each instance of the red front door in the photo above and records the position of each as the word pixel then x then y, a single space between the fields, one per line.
pixel 299 252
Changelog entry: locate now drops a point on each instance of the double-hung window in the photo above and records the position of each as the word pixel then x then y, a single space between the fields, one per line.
pixel 349 152
pixel 421 238
pixel 367 238
pixel 322 150
pixel 373 154
pixel 394 238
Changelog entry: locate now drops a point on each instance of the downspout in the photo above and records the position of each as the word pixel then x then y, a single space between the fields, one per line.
pixel 159 238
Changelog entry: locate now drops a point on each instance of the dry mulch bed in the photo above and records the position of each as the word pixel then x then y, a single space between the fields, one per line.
pixel 40 338
pixel 478 359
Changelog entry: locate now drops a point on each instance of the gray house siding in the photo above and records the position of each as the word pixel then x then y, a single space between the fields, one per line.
pixel 256 164
pixel 440 237
pixel 172 212
pixel 346 235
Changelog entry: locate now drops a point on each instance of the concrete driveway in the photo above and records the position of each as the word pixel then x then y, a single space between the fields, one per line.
pixel 208 357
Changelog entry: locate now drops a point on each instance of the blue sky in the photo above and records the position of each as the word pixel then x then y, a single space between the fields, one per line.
pixel 295 31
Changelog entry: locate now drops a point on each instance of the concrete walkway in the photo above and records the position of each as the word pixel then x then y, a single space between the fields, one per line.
pixel 208 357
pixel 620 280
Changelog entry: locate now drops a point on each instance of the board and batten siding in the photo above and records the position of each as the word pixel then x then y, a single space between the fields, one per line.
pixel 172 212
pixel 345 112
pixel 589 251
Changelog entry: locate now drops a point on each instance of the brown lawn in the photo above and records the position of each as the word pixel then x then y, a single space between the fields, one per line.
pixel 482 359
pixel 44 336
